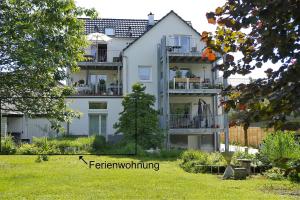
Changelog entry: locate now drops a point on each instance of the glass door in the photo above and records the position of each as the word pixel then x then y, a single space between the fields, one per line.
pixel 94 123
pixel 97 124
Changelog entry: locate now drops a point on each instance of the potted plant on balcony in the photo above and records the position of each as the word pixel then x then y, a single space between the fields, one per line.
pixel 81 82
pixel 102 87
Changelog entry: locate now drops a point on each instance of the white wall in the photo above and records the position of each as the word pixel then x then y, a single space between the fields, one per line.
pixel 144 51
pixel 81 126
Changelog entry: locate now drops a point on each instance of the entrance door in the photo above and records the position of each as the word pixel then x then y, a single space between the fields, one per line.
pixel 97 124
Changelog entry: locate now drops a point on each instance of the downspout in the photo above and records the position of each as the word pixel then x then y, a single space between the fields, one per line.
pixel 125 71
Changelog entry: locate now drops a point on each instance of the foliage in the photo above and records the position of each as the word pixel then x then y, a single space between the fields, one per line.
pixel 7 145
pixel 275 173
pixel 28 149
pixel 198 162
pixel 242 155
pixel 138 108
pixel 281 149
pixel 67 145
pixel 39 41
pixel 272 36
pixel 99 142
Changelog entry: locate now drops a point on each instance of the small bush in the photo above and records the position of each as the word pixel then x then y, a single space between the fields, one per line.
pixel 294 176
pixel 275 174
pixel 199 162
pixel 242 155
pixel 45 147
pixel 281 149
pixel 98 143
pixel 41 158
pixel 7 146
pixel 193 155
pixel 28 149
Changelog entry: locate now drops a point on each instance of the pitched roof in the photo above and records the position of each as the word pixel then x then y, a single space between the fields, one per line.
pixel 124 28
pixel 188 23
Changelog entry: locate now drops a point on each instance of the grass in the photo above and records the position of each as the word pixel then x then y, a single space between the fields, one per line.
pixel 66 177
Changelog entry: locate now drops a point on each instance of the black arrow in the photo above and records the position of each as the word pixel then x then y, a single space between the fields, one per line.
pixel 81 158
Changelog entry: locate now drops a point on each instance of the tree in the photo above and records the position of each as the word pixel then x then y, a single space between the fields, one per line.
pixel 139 113
pixel 39 41
pixel 261 31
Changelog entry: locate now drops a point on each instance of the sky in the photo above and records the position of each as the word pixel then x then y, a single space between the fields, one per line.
pixel 189 10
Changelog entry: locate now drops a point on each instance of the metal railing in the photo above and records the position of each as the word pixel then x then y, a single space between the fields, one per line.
pixel 103 55
pixel 99 90
pixel 182 121
pixel 192 83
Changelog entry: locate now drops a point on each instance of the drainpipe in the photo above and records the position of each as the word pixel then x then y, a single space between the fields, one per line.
pixel 125 71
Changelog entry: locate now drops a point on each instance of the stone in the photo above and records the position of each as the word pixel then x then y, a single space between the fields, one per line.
pixel 240 173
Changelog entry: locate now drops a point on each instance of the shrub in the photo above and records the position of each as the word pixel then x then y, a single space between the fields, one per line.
pixel 199 162
pixel 7 146
pixel 294 176
pixel 45 147
pixel 28 149
pixel 65 145
pixel 281 149
pixel 193 155
pixel 99 143
pixel 242 155
pixel 41 158
pixel 275 173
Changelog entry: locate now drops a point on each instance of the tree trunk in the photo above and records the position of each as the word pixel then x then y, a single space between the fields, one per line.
pixel 246 136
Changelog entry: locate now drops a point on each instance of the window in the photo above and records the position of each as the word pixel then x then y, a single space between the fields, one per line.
pixel 183 41
pixel 145 73
pixel 109 31
pixel 97 105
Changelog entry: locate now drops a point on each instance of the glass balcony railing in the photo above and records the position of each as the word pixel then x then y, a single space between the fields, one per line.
pixel 192 83
pixel 189 121
pixel 99 90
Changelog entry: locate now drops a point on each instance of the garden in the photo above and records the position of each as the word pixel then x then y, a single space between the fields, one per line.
pixel 181 175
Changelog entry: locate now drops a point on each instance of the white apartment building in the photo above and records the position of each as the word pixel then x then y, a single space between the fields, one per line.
pixel 165 56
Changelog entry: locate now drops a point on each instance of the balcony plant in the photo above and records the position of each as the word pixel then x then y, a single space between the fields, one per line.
pixel 102 86
pixel 81 82
pixel 189 74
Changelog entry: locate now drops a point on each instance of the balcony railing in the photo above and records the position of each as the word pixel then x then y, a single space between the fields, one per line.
pixel 183 44
pixel 192 83
pixel 104 55
pixel 99 90
pixel 188 121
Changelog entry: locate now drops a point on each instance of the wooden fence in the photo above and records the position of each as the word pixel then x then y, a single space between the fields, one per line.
pixel 255 135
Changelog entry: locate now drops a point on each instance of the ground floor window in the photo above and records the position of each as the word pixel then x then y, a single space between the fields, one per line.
pixel 97 124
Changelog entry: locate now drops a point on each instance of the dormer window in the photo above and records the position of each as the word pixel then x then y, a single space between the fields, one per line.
pixel 109 31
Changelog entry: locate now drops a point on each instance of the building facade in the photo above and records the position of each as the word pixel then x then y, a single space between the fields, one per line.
pixel 165 56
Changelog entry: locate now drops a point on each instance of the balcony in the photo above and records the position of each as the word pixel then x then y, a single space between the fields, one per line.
pixel 99 90
pixel 184 49
pixel 188 123
pixel 102 57
pixel 193 85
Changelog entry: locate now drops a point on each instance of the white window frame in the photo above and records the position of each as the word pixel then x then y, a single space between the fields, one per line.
pixel 150 75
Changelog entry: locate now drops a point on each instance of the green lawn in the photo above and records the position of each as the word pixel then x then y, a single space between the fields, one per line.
pixel 66 177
